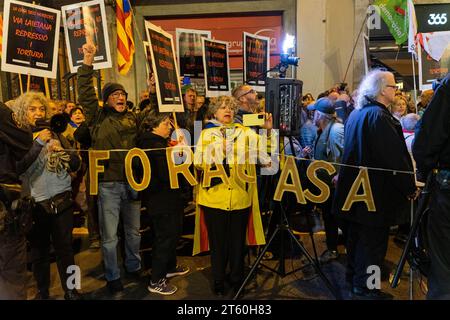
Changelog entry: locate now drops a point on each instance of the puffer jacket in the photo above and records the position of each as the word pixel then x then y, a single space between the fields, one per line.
pixel 109 129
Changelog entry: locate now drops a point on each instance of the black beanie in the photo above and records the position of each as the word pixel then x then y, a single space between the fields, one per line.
pixel 109 88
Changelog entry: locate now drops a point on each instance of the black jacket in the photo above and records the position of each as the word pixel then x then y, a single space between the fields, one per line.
pixel 15 141
pixel 108 129
pixel 374 138
pixel 431 148
pixel 159 195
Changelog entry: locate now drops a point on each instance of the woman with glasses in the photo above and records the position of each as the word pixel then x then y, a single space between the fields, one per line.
pixel 228 212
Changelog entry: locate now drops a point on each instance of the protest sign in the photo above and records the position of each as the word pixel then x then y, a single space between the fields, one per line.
pixel 216 65
pixel 256 60
pixel 430 69
pixel 289 180
pixel 189 52
pixel 86 22
pixel 168 89
pixel 30 39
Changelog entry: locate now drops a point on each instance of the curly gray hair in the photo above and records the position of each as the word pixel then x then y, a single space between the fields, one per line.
pixel 22 103
pixel 216 103
pixel 370 88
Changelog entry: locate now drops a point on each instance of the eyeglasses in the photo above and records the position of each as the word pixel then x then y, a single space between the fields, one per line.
pixel 117 94
pixel 391 86
pixel 246 93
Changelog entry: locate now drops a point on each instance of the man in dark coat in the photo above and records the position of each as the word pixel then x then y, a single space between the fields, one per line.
pixel 431 150
pixel 374 139
pixel 15 141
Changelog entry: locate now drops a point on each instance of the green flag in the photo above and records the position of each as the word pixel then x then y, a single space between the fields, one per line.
pixel 394 14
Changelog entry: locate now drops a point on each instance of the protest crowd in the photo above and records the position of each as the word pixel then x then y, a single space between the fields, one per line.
pixel 67 164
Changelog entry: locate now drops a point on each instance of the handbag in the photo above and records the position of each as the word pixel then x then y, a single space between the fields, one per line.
pixel 57 204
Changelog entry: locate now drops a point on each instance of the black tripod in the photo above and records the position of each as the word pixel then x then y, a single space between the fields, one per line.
pixel 282 227
pixel 417 256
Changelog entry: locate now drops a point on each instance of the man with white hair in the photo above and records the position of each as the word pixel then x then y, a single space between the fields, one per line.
pixel 374 139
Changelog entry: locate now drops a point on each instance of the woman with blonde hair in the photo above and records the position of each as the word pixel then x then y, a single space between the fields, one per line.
pixel 399 107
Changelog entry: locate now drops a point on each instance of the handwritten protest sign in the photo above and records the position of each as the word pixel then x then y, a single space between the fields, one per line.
pixel 86 22
pixel 30 40
pixel 216 64
pixel 168 89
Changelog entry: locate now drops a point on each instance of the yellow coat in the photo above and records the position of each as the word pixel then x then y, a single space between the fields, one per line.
pixel 233 194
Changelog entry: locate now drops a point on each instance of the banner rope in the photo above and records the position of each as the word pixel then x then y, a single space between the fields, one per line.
pixel 394 172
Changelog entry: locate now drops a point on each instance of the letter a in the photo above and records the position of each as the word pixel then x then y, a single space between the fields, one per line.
pixel 361 180
pixel 290 169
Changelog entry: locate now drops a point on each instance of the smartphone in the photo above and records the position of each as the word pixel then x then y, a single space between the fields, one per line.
pixel 253 120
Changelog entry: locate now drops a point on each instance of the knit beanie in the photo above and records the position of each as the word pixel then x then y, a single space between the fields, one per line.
pixel 109 88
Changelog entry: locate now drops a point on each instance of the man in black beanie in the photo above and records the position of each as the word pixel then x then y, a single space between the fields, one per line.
pixel 112 127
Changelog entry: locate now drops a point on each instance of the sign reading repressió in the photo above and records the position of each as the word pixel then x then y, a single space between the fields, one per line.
pixel 217 71
pixel 168 90
pixel 86 22
pixel 30 40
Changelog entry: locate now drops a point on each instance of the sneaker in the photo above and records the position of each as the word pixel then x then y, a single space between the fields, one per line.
pixel 179 271
pixel 162 287
pixel 328 255
pixel 115 286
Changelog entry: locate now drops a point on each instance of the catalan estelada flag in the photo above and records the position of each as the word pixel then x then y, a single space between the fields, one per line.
pixel 125 42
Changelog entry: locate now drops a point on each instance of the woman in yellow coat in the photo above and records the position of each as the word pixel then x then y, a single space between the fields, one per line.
pixel 228 214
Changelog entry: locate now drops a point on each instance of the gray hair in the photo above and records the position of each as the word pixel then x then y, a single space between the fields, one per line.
pixel 215 104
pixel 22 103
pixel 371 87
pixel 409 121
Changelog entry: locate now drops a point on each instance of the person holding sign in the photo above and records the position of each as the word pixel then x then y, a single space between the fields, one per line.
pixel 227 196
pixel 112 127
pixel 373 138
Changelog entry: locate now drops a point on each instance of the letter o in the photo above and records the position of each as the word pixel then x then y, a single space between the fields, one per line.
pixel 135 152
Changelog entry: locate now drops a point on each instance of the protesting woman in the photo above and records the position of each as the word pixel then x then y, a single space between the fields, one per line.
pixel 228 212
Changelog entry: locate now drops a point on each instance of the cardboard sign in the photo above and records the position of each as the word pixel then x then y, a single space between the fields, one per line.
pixel 256 60
pixel 168 89
pixel 216 64
pixel 30 39
pixel 189 52
pixel 431 70
pixel 86 22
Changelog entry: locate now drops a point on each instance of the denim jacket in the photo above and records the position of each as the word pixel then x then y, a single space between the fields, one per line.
pixel 43 183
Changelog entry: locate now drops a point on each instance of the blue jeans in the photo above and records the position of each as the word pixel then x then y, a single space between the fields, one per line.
pixel 117 199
